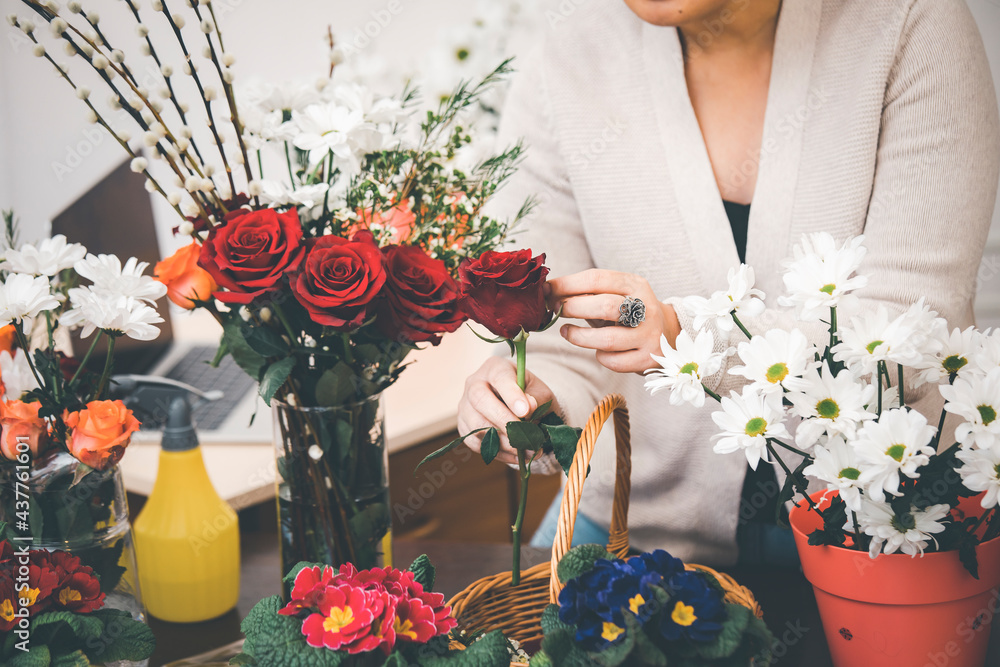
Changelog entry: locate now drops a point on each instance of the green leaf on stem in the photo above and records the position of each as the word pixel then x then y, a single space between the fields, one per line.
pixel 275 376
pixel 794 483
pixel 265 341
pixel 525 435
pixel 490 446
pixel 494 341
pixel 563 439
pixel 236 345
pixel 447 448
pixel 540 411
pixel 832 533
pixel 336 385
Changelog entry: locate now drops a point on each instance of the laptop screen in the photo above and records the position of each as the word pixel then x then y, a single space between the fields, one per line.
pixel 116 217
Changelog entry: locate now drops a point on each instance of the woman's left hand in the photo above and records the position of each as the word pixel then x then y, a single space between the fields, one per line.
pixel 595 295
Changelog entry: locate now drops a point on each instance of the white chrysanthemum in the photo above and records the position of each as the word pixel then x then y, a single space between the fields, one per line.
pixel 834 405
pixel 289 96
pixel 956 354
pixel 977 401
pixel 112 279
pixel 117 316
pixel 740 297
pixel 327 128
pixel 981 472
pixel 16 374
pixel 277 193
pixel 683 369
pixel 47 258
pixel 820 273
pixel 777 360
pixel 375 109
pixel 25 296
pixel 873 337
pixel 836 463
pixel 897 444
pixel 989 353
pixel 909 533
pixel 747 420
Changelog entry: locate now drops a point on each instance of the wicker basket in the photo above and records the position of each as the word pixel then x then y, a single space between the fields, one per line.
pixel 492 603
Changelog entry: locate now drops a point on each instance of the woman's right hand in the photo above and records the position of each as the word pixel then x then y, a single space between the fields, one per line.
pixel 492 398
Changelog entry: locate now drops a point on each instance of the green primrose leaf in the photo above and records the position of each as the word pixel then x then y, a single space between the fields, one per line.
pixel 123 638
pixel 82 626
pixel 37 656
pixel 730 637
pixel 581 559
pixel 490 446
pixel 423 572
pixel 74 659
pixel 525 435
pixel 274 377
pixel 242 659
pixel 488 651
pixel 272 639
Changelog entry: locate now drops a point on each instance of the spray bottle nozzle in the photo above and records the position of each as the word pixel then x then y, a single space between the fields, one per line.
pixel 154 400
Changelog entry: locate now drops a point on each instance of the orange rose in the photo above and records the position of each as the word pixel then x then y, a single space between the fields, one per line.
pixel 20 423
pixel 100 433
pixel 185 280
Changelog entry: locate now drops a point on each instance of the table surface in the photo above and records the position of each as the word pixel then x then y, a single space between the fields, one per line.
pixel 786 598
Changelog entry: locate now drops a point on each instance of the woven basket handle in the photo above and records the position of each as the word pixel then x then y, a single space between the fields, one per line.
pixel 618 534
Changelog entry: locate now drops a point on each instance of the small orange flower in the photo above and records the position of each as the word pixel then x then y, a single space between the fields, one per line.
pixel 20 423
pixel 400 219
pixel 8 339
pixel 100 433
pixel 185 280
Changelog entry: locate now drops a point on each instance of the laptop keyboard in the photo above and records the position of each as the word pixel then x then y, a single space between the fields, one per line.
pixel 194 369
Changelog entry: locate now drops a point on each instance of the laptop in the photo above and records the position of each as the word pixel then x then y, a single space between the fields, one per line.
pixel 116 217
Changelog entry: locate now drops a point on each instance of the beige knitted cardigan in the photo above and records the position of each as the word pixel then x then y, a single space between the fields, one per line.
pixel 881 119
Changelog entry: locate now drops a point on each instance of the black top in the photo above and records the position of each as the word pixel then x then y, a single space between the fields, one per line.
pixel 760 487
pixel 739 221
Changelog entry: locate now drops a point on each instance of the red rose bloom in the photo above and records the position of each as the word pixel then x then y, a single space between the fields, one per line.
pixel 421 299
pixel 503 292
pixel 250 252
pixel 339 279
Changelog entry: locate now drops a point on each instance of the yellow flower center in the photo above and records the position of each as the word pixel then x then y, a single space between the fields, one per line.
pixel 611 632
pixel 987 413
pixel 756 426
pixel 683 614
pixel 776 373
pixel 339 618
pixel 828 409
pixel 896 452
pixel 68 595
pixel 636 603
pixel 828 288
pixel 691 368
pixel 954 363
pixel 29 597
pixel 7 610
pixel 404 629
pixel 850 473
pixel 872 345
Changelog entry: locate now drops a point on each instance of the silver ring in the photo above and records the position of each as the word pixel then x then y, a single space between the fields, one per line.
pixel 632 312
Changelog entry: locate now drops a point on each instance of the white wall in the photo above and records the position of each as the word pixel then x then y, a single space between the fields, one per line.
pixel 49 155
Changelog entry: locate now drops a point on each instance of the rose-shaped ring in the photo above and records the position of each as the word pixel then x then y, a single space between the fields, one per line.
pixel 632 312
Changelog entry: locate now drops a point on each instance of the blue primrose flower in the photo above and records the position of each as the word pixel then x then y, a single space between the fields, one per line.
pixel 695 610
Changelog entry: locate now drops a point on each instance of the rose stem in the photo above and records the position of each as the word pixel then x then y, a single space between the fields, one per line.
pixel 520 344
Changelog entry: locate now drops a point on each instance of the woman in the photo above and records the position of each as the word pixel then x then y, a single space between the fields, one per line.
pixel 671 139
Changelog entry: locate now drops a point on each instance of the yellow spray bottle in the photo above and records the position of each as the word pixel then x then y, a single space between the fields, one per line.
pixel 187 537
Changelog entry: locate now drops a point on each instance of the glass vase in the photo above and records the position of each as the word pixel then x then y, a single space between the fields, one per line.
pixel 333 485
pixel 83 512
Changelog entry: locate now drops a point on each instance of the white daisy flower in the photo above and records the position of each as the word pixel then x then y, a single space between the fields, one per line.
pixel 25 296
pixel 327 128
pixel 277 193
pixel 989 354
pixel 747 420
pixel 114 280
pixel 820 273
pixel 897 444
pixel 777 360
pixel 956 354
pixel 375 109
pixel 47 258
pixel 977 401
pixel 834 405
pixel 683 369
pixel 16 373
pixel 909 533
pixel 981 472
pixel 873 337
pixel 740 297
pixel 117 316
pixel 836 463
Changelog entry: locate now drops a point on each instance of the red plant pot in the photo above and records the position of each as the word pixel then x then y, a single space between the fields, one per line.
pixel 898 611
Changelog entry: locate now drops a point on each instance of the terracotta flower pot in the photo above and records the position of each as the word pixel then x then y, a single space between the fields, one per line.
pixel 898 611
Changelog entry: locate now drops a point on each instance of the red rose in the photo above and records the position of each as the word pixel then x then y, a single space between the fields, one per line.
pixel 421 298
pixel 339 279
pixel 250 252
pixel 503 292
